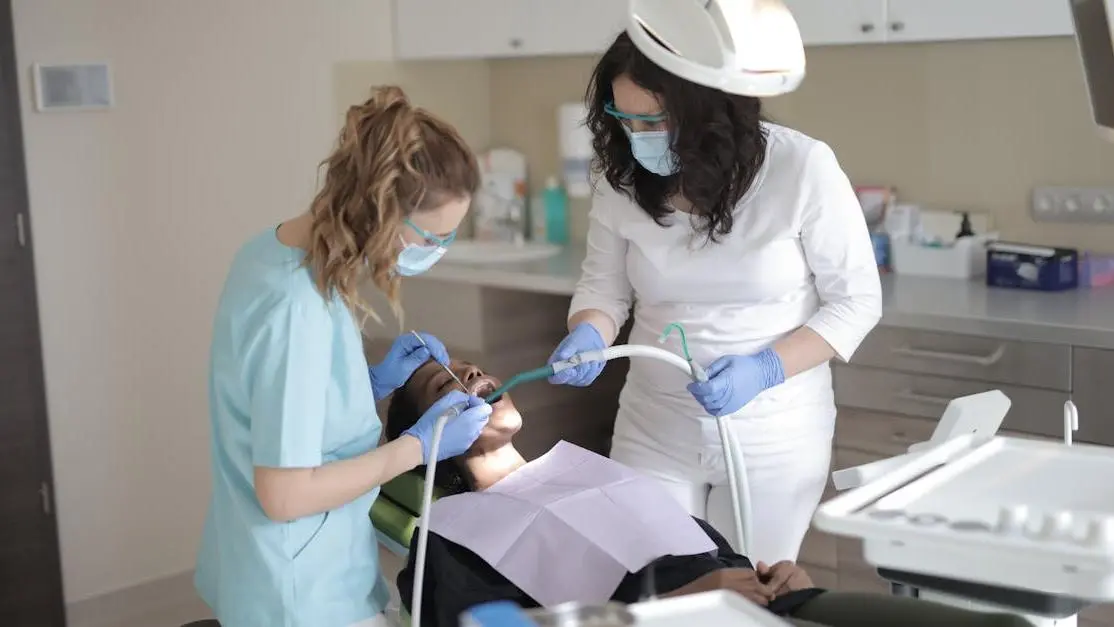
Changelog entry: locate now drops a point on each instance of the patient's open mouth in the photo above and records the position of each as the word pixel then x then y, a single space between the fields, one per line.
pixel 483 386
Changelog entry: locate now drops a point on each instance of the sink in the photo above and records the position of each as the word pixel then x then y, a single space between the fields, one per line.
pixel 471 251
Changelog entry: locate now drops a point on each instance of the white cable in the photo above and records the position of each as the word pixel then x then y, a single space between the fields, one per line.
pixel 423 529
pixel 732 454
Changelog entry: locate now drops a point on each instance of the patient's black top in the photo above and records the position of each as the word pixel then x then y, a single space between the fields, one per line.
pixel 457 579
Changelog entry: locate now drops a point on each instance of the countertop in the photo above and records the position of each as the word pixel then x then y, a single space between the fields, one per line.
pixel 1079 317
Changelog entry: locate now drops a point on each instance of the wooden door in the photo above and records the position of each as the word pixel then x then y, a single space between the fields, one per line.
pixel 30 573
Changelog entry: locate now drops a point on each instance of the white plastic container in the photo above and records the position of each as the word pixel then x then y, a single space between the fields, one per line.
pixel 964 259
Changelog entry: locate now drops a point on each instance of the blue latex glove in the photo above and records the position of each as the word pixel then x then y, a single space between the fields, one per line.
pixel 460 431
pixel 584 337
pixel 406 355
pixel 734 380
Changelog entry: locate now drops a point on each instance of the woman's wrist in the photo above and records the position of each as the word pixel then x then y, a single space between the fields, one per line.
pixel 411 451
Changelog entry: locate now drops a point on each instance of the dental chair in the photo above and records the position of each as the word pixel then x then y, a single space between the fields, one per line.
pixel 395 516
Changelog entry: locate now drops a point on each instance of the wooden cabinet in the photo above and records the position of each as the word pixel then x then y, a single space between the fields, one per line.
pixel 475 29
pixel 828 22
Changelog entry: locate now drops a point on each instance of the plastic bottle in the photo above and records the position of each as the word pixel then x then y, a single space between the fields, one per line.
pixel 556 204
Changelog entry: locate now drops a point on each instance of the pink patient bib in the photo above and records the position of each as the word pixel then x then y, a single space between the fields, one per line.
pixel 569 525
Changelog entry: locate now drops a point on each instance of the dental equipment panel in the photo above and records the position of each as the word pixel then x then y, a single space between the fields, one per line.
pixel 984 518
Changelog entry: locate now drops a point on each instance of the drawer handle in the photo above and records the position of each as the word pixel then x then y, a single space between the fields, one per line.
pixel 984 361
pixel 917 397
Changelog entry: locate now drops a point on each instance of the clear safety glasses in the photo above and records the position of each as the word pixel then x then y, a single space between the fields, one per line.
pixel 636 122
pixel 430 238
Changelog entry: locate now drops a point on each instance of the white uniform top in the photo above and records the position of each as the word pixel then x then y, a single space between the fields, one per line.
pixel 799 253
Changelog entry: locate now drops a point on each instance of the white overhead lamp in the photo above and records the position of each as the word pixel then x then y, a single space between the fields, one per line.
pixel 746 47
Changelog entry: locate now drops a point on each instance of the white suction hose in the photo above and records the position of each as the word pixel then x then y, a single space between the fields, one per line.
pixel 423 529
pixel 732 454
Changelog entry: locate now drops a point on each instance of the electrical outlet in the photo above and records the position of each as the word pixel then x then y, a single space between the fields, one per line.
pixel 1073 204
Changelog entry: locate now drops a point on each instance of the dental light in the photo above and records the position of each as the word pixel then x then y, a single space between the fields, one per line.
pixel 745 47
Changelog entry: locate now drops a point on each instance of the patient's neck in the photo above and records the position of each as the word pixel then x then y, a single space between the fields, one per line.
pixel 489 467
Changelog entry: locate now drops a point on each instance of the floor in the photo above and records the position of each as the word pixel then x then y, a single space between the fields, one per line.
pixel 175 604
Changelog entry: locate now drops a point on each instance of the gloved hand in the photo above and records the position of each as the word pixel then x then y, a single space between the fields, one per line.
pixel 460 431
pixel 734 380
pixel 584 337
pixel 406 355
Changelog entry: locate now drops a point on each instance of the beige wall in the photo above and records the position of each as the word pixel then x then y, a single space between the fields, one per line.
pixel 971 125
pixel 224 110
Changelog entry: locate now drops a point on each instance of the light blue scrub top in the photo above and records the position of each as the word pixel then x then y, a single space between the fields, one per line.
pixel 288 388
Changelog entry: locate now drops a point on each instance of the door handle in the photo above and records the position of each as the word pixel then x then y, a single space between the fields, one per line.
pixel 983 361
pixel 917 397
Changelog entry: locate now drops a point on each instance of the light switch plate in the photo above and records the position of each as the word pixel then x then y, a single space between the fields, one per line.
pixel 1073 204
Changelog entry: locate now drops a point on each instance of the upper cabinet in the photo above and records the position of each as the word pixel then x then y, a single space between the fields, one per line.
pixel 470 29
pixel 936 20
pixel 828 22
pixel 478 29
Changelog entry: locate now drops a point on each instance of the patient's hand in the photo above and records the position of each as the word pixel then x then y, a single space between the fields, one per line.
pixel 784 577
pixel 743 581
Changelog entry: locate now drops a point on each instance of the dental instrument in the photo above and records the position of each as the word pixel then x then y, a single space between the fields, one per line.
pixel 443 366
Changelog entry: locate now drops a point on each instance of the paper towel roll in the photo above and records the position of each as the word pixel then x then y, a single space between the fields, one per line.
pixel 576 149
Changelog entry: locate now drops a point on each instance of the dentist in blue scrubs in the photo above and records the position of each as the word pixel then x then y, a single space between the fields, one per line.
pixel 296 461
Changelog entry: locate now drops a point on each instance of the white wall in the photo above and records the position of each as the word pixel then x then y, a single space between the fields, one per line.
pixel 224 107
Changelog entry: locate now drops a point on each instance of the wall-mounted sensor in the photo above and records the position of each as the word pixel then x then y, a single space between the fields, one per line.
pixel 72 87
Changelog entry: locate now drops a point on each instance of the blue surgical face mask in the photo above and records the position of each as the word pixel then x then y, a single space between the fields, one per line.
pixel 654 150
pixel 416 258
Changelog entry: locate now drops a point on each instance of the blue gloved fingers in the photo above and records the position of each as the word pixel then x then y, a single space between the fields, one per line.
pixel 584 337
pixel 436 350
pixel 462 431
pixel 719 365
pixel 452 397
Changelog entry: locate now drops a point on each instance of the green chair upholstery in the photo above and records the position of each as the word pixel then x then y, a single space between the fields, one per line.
pixel 395 513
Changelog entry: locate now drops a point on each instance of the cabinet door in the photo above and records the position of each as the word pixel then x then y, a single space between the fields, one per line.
pixel 941 20
pixel 1091 383
pixel 570 27
pixel 457 29
pixel 825 22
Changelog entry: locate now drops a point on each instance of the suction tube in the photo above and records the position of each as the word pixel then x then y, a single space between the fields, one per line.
pixel 732 454
pixel 427 502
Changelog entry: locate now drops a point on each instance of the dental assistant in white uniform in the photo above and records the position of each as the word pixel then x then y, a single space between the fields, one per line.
pixel 749 235
pixel 295 458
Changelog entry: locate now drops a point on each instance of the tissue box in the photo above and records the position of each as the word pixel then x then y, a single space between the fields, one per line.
pixel 1031 267
pixel 964 259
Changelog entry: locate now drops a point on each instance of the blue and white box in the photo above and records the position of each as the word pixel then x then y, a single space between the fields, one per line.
pixel 1023 266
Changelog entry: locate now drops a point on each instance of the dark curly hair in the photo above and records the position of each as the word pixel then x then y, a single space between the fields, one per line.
pixel 402 413
pixel 718 139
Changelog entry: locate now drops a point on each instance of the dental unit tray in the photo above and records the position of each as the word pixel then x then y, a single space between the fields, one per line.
pixel 1005 512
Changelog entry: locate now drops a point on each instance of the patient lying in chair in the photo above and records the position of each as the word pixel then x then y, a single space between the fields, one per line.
pixel 457 579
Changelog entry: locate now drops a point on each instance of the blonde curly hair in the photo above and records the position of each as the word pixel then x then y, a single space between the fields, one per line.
pixel 392 159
